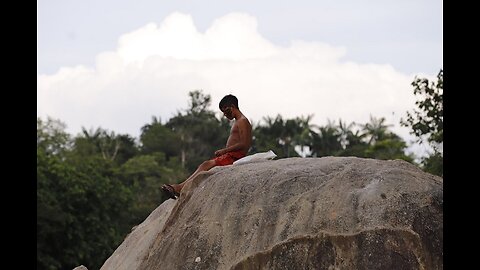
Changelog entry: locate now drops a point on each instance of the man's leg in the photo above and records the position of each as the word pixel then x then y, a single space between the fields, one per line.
pixel 205 166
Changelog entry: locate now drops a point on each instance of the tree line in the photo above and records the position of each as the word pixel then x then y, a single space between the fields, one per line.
pixel 92 188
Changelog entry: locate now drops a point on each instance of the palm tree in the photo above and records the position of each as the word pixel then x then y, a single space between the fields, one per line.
pixel 155 121
pixel 269 135
pixel 106 143
pixel 350 138
pixel 376 129
pixel 304 135
pixel 353 142
pixel 278 135
pixel 327 141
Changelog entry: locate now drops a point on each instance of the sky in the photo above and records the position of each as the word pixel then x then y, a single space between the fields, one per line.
pixel 116 64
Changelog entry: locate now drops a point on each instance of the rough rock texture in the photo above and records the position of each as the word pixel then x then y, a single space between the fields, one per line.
pixel 295 213
pixel 134 249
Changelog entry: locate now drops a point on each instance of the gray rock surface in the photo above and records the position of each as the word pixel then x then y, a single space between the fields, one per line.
pixel 295 213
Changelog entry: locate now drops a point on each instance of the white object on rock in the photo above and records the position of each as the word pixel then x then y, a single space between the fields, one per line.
pixel 256 157
pixel 198 259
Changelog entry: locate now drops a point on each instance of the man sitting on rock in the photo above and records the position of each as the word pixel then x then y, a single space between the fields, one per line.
pixel 238 144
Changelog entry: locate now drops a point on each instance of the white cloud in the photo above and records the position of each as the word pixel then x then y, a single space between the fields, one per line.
pixel 154 68
pixel 232 37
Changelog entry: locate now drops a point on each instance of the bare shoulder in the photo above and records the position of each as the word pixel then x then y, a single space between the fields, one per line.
pixel 243 121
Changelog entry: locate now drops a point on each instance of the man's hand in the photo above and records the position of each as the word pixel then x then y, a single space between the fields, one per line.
pixel 220 152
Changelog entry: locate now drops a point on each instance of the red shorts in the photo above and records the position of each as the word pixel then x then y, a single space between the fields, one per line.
pixel 229 158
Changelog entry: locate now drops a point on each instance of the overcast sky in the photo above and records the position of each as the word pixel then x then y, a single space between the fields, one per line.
pixel 115 64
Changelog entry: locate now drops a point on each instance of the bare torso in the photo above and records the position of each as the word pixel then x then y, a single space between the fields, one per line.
pixel 235 137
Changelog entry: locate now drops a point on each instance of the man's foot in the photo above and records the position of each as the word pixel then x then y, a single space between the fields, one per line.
pixel 170 191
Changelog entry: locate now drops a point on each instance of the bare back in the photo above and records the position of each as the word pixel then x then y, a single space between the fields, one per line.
pixel 241 132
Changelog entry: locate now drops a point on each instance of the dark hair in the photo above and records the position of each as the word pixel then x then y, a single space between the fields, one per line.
pixel 228 100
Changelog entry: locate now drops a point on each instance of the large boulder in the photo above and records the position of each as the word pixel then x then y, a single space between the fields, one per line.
pixel 295 213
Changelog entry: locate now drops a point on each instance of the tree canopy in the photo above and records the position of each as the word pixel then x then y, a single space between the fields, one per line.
pixel 426 121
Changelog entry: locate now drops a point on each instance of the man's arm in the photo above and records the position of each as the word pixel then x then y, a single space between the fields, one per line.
pixel 245 138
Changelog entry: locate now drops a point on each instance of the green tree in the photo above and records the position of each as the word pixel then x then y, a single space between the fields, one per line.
pixel 304 135
pixel 381 142
pixel 426 122
pixel 433 163
pixel 278 135
pixel 128 148
pixel 199 131
pixel 108 145
pixel 80 204
pixel 144 175
pixel 264 139
pixel 352 140
pixel 52 143
pixel 391 146
pixel 51 137
pixel 156 137
pixel 292 129
pixel 327 141
pixel 375 130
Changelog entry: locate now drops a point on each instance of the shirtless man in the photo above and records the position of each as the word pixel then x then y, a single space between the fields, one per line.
pixel 238 144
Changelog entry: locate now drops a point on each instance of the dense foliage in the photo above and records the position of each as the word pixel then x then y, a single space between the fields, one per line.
pixel 426 122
